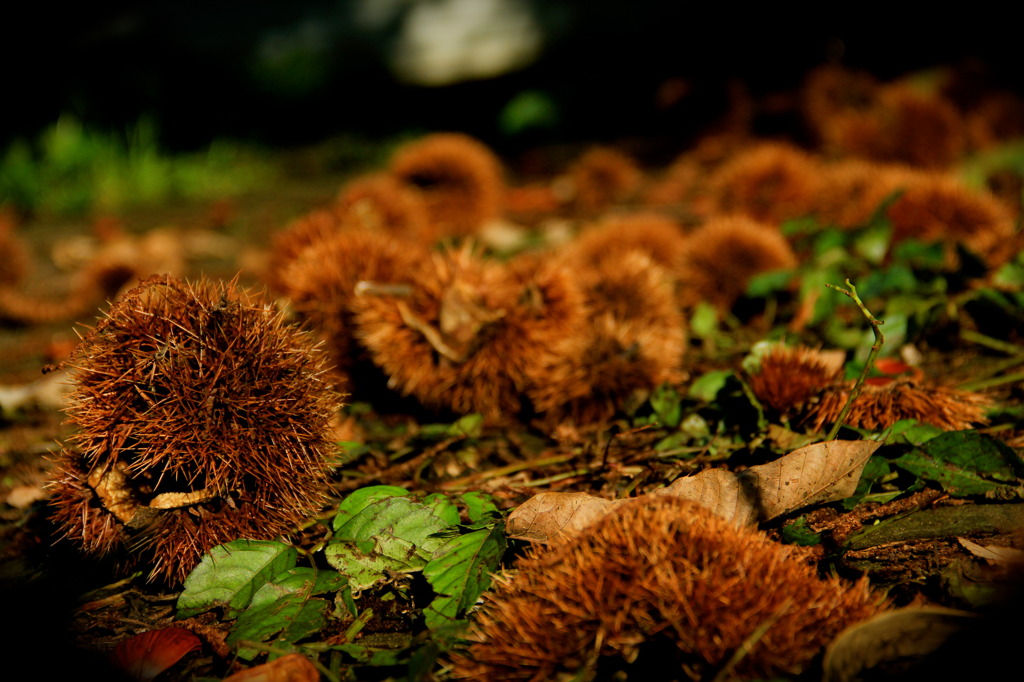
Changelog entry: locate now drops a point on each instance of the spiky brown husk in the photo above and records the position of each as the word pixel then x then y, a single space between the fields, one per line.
pixel 720 257
pixel 686 178
pixel 900 125
pixel 998 117
pixel 459 178
pixel 939 207
pixel 770 182
pixel 200 416
pixel 317 226
pixel 677 185
pixel 531 204
pixel 464 338
pixel 601 177
pixel 657 235
pixel 659 584
pixel 119 260
pixel 853 190
pixel 832 90
pixel 321 281
pixel 788 379
pixel 879 407
pixel 381 203
pixel 633 341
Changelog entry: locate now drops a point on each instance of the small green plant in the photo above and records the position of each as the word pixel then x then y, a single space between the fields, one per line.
pixel 382 540
pixel 73 170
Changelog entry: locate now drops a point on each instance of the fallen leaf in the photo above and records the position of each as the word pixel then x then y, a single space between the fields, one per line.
pixel 813 474
pixel 288 668
pixel 23 496
pixel 547 515
pixel 146 655
pixel 1001 555
pixel 729 495
pixel 891 641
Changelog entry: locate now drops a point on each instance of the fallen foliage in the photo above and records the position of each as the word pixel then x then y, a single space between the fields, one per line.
pixel 651 372
pixel 816 473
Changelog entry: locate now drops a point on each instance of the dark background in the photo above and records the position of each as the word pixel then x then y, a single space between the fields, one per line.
pixel 192 66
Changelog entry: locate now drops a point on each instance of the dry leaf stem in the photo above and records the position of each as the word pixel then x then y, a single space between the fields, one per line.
pixel 868 364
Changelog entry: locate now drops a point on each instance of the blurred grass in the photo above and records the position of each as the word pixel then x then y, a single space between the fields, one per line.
pixel 71 170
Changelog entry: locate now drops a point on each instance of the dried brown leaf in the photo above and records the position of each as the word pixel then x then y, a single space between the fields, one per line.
pixel 546 515
pixel 994 553
pixel 813 474
pixel 146 655
pixel 891 640
pixel 288 668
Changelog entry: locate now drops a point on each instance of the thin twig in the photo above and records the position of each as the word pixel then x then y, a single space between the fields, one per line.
pixel 868 364
pixel 477 478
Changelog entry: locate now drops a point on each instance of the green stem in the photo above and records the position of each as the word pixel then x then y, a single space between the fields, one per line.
pixel 868 364
pixel 989 342
pixel 993 382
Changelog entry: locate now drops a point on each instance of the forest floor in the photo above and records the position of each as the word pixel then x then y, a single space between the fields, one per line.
pixel 909 526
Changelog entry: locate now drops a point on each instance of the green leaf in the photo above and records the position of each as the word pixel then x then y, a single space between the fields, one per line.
pixel 798 533
pixel 751 363
pixel 394 534
pixel 468 426
pixel 281 607
pixel 919 254
pixel 349 450
pixel 829 244
pixel 913 432
pixel 442 507
pixel 872 243
pixel 885 281
pixel 360 499
pixel 528 110
pixel 397 516
pixel 812 284
pixel 765 284
pixel 461 572
pixel 1010 275
pixel 673 441
pixel 288 619
pixel 479 506
pixel 704 320
pixel 230 574
pixel 707 386
pixel 695 427
pixel 962 462
pixel 666 405
pixel 302 581
pixel 366 566
pixel 876 468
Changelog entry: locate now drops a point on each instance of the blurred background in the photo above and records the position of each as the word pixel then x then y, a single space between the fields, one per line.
pixel 509 71
pixel 110 104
